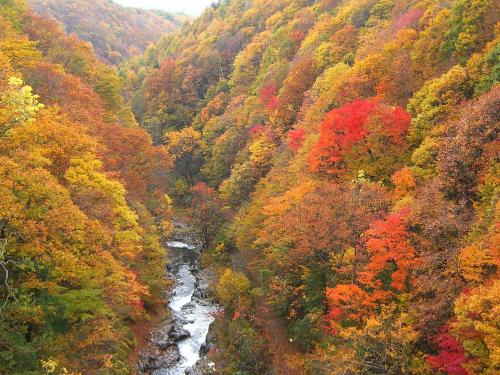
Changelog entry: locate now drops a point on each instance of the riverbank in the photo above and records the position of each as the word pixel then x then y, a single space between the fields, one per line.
pixel 142 331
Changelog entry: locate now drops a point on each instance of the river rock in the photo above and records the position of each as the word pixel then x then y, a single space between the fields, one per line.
pixel 153 358
pixel 161 335
pixel 165 344
pixel 185 233
pixel 178 333
pixel 209 342
pixel 202 367
pixel 188 307
pixel 168 358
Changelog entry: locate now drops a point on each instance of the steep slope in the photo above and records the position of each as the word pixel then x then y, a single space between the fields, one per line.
pixel 82 192
pixel 116 32
pixel 349 149
pixel 338 157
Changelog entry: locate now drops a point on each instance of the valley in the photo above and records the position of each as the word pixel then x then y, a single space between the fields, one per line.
pixel 271 188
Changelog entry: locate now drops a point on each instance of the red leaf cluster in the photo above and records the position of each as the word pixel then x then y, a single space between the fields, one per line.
pixel 296 139
pixel 451 355
pixel 408 20
pixel 388 243
pixel 352 125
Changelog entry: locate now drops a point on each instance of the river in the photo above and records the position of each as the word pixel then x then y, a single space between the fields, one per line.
pixel 193 312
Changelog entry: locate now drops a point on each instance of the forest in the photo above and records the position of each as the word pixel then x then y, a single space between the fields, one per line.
pixel 338 158
pixel 116 33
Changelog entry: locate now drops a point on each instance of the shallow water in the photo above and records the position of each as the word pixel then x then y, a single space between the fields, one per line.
pixel 180 245
pixel 195 315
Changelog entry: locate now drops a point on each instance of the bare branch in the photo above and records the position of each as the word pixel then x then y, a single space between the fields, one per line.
pixel 3 265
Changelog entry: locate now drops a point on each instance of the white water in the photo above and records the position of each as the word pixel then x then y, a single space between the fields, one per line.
pixel 180 245
pixel 196 316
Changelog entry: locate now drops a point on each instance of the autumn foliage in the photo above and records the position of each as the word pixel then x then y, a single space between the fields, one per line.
pixel 451 357
pixel 388 246
pixel 80 183
pixel 127 31
pixel 338 158
pixel 296 139
pixel 363 130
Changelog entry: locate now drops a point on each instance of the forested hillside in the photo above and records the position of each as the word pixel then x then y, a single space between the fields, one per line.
pixel 339 159
pixel 81 198
pixel 343 154
pixel 116 33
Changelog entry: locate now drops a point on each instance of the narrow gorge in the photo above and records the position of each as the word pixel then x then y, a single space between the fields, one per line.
pixel 339 160
pixel 177 346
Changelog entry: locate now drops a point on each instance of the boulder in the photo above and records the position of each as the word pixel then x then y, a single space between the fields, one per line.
pixel 178 333
pixel 153 358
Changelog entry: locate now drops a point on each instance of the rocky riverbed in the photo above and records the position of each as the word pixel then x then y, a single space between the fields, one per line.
pixel 178 345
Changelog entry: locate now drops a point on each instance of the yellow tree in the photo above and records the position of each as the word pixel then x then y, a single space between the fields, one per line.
pixel 233 290
pixel 185 149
